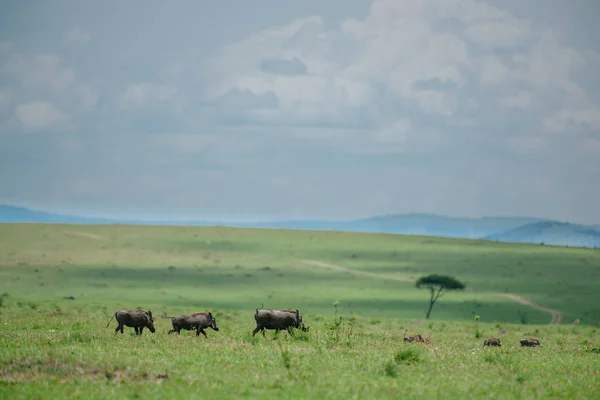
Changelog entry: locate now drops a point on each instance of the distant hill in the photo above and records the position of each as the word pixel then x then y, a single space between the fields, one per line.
pixel 22 214
pixel 552 233
pixel 438 225
pixel 506 229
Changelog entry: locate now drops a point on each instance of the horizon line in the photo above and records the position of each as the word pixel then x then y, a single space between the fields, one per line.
pixel 131 219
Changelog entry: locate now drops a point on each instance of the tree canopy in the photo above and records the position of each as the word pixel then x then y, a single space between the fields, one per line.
pixel 444 281
pixel 436 283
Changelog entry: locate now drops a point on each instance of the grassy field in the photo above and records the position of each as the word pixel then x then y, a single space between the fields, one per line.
pixel 57 347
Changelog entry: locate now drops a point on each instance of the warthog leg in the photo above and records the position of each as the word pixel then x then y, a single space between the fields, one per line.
pixel 258 329
pixel 201 331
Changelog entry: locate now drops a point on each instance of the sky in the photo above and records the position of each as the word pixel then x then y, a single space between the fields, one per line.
pixel 264 110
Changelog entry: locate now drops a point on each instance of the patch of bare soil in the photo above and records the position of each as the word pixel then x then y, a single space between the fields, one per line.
pixel 30 370
pixel 84 234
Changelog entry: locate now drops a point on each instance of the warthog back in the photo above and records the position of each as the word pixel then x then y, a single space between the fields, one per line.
pixel 492 342
pixel 530 342
pixel 136 319
pixel 276 320
pixel 198 321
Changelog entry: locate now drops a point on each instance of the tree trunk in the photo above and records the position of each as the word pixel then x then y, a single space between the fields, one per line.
pixel 429 310
pixel 433 299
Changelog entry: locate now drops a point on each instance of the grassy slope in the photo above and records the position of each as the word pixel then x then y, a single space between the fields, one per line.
pixel 242 268
pixel 176 269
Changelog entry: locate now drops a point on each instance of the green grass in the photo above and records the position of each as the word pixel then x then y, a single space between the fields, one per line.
pixel 242 268
pixel 54 347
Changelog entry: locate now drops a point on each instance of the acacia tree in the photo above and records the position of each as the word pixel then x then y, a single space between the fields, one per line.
pixel 436 284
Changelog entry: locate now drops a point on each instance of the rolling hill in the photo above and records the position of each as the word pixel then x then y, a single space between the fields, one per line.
pixel 10 213
pixel 505 229
pixel 552 233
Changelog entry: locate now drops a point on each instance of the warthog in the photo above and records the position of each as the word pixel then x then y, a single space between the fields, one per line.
pixel 278 320
pixel 492 342
pixel 530 342
pixel 198 321
pixel 138 319
pixel 415 338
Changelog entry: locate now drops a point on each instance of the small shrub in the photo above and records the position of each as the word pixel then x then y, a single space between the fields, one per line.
pixel 407 356
pixel 478 333
pixel 390 370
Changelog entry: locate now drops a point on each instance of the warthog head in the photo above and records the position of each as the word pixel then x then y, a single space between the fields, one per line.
pixel 213 322
pixel 150 324
pixel 304 327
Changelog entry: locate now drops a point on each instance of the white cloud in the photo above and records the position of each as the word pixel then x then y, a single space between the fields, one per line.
pixel 39 114
pixel 507 32
pixel 76 36
pixel 88 97
pixel 490 58
pixel 473 109
pixel 572 121
pixel 522 99
pixel 140 94
pixel 396 132
pixel 43 69
pixel 493 70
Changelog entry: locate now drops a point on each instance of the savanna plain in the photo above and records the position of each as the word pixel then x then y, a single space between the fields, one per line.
pixel 61 284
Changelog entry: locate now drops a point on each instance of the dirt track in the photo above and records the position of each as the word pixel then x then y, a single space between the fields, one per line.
pixel 557 316
pixel 84 234
pixel 357 272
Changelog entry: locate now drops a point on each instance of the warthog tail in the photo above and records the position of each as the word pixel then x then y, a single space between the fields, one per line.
pixel 262 306
pixel 111 318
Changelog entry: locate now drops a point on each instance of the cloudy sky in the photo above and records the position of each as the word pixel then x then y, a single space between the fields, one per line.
pixel 275 109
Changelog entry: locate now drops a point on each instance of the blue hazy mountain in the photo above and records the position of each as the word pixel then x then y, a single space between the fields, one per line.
pixel 505 229
pixel 22 214
pixel 552 233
